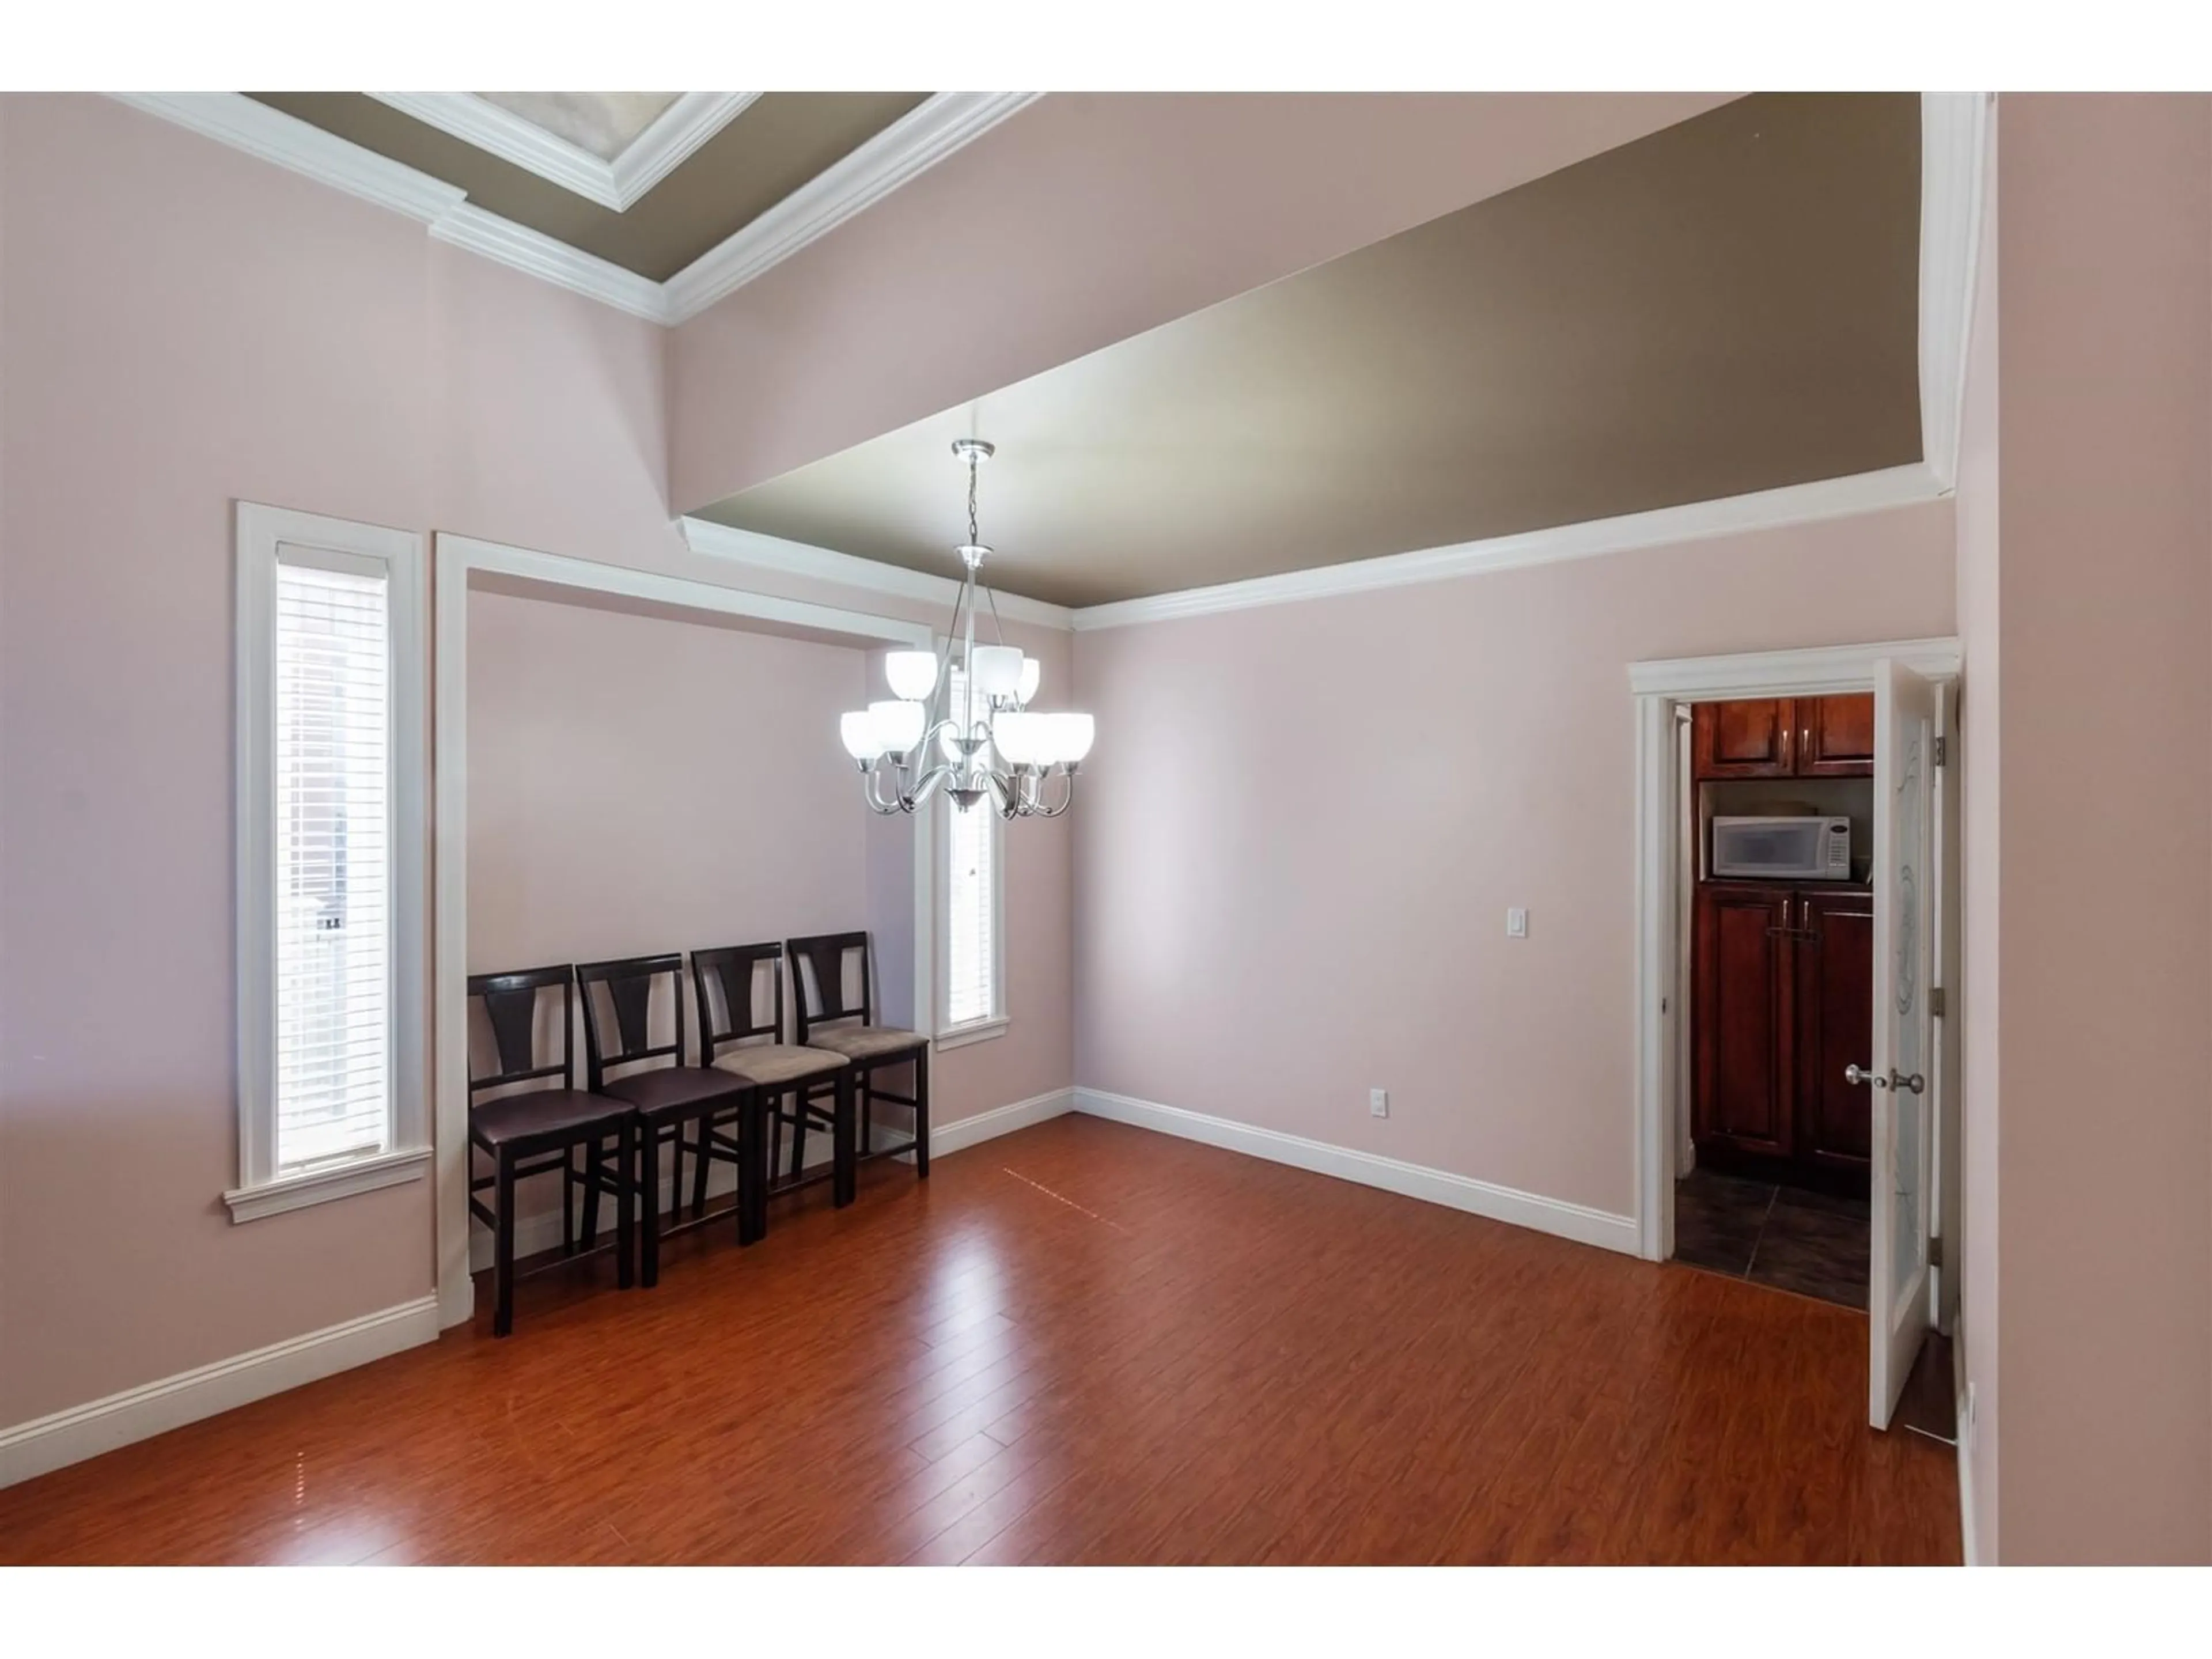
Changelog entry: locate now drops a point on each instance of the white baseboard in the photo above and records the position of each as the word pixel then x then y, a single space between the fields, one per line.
pixel 1458 1191
pixel 48 1442
pixel 998 1121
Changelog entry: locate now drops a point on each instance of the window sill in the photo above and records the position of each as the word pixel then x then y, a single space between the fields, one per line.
pixel 320 1187
pixel 976 1031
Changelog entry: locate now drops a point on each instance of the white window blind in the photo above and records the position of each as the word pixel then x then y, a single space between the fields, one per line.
pixel 333 844
pixel 971 907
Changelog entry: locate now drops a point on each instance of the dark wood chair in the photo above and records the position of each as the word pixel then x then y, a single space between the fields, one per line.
pixel 825 1014
pixel 735 1038
pixel 535 1131
pixel 667 1098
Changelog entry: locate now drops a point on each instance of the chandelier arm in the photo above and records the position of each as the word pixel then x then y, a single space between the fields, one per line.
pixel 882 808
pixel 931 782
pixel 1065 801
pixel 997 627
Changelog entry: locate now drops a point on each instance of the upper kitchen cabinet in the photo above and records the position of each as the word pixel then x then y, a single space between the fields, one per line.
pixel 1783 738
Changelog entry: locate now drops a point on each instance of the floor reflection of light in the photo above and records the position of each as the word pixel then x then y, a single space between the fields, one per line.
pixel 969 1269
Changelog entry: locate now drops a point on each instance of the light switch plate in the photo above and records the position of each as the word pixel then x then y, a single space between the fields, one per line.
pixel 1379 1103
pixel 1516 924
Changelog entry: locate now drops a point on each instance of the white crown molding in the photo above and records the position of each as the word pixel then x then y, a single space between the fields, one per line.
pixel 675 134
pixel 1812 670
pixel 870 576
pixel 1766 509
pixel 919 140
pixel 1954 147
pixel 1458 1191
pixel 670 142
pixel 518 246
pixel 81 1431
pixel 914 143
pixel 233 118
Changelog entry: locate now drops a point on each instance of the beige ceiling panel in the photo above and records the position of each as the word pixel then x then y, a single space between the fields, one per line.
pixel 1728 304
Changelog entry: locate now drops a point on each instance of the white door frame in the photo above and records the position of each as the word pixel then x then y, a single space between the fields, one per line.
pixel 458 557
pixel 1819 671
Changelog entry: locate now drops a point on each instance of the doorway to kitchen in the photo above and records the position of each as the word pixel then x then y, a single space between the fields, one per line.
pixel 1797 919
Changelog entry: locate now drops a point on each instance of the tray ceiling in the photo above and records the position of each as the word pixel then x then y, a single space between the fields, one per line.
pixel 1728 304
pixel 647 181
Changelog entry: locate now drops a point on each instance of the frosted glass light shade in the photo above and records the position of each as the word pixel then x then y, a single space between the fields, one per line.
pixel 1032 676
pixel 1017 736
pixel 857 730
pixel 1072 736
pixel 997 670
pixel 913 674
pixel 896 727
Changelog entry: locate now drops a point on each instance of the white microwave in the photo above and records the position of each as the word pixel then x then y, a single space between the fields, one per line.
pixel 1793 849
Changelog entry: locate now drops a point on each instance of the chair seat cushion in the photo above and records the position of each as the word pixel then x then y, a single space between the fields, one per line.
pixel 671 1089
pixel 543 1112
pixel 866 1041
pixel 767 1063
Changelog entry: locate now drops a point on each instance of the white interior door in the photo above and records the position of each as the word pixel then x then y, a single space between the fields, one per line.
pixel 1898 1307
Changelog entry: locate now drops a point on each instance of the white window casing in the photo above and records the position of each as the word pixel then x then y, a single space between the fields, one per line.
pixel 330 767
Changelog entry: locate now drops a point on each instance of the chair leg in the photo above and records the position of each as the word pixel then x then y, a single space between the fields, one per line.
pixel 753 1131
pixel 706 1164
pixel 921 1115
pixel 799 1139
pixel 648 1185
pixel 594 1176
pixel 863 1082
pixel 569 1201
pixel 502 1251
pixel 845 1181
pixel 625 1221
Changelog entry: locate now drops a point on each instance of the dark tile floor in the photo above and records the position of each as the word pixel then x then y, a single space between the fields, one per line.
pixel 1808 1243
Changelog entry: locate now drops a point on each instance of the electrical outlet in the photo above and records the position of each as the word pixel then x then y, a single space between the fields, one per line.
pixel 1516 924
pixel 1379 1103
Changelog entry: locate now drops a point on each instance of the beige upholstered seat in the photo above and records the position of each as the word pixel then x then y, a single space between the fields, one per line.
pixel 767 1063
pixel 864 1041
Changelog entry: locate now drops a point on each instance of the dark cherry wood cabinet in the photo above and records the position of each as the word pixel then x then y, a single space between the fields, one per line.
pixel 1782 980
pixel 1783 738
pixel 1753 739
pixel 1834 971
pixel 1835 736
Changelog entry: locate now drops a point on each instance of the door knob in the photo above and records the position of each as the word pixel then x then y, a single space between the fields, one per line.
pixel 1896 1079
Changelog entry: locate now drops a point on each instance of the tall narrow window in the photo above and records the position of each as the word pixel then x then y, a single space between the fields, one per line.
pixel 333 874
pixel 974 999
pixel 329 879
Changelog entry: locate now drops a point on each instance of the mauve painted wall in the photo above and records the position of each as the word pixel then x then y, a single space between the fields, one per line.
pixel 183 326
pixel 2105 615
pixel 1980 1318
pixel 186 326
pixel 1305 823
pixel 1081 220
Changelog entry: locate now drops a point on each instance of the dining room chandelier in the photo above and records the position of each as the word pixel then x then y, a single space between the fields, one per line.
pixel 963 724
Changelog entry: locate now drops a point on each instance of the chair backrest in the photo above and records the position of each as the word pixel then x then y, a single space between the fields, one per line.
pixel 728 975
pixel 510 1002
pixel 627 987
pixel 817 979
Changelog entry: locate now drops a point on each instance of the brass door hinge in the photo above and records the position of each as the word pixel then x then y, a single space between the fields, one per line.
pixel 1936 1002
pixel 1935 1252
pixel 1942 751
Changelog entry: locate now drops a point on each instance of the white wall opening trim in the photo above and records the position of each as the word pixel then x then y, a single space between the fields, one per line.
pixel 457 558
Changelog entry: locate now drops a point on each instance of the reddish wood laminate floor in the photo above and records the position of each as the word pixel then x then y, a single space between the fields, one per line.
pixel 1081 1343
